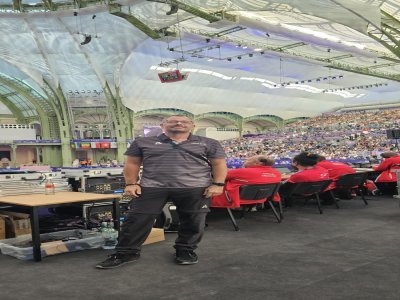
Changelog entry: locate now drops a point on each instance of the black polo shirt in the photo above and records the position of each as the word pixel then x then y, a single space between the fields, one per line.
pixel 166 165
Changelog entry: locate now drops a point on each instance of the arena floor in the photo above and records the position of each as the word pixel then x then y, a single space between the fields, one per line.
pixel 349 253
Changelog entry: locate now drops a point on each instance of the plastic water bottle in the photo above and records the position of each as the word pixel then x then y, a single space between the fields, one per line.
pixel 109 234
pixel 49 187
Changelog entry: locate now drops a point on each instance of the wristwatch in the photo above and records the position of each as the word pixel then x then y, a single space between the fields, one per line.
pixel 218 183
pixel 128 184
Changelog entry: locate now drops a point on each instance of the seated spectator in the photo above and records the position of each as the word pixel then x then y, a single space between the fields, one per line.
pixel 257 170
pixel 387 180
pixel 308 170
pixel 335 170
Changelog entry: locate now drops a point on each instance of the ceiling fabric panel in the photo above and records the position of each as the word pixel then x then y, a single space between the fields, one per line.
pixel 288 58
pixel 338 11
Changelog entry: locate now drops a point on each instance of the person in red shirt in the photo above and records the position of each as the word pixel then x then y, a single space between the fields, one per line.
pixel 308 171
pixel 335 170
pixel 257 170
pixel 387 180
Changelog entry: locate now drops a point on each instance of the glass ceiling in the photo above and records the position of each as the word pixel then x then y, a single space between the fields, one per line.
pixel 288 41
pixel 20 102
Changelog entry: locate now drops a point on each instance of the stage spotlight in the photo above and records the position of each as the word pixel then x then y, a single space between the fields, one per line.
pixel 87 40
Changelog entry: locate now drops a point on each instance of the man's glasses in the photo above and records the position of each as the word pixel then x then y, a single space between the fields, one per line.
pixel 176 122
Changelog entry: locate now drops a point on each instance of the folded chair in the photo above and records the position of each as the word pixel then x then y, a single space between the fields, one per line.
pixel 353 181
pixel 252 194
pixel 305 190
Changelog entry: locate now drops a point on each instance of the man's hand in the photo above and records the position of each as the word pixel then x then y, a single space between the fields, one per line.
pixel 133 190
pixel 213 190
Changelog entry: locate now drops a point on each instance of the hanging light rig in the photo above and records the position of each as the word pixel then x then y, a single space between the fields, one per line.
pixel 175 75
pixel 87 38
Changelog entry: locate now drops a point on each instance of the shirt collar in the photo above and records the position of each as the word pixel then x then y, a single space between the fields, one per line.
pixel 165 138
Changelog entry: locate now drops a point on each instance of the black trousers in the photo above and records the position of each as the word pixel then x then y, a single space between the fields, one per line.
pixel 192 209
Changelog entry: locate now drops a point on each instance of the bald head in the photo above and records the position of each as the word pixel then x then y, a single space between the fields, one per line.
pixel 259 160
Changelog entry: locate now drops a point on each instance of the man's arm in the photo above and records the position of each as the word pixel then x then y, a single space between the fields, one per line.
pixel 132 169
pixel 131 174
pixel 219 171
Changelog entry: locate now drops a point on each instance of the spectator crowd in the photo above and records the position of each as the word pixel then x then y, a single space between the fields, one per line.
pixel 350 136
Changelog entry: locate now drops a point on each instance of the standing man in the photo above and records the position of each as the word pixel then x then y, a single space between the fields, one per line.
pixel 179 167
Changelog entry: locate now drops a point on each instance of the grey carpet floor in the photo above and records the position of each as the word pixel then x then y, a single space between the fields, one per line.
pixel 347 253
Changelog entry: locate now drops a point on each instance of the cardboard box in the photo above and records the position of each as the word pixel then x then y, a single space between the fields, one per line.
pixel 16 223
pixel 2 228
pixel 54 247
pixel 156 235
pixel 65 241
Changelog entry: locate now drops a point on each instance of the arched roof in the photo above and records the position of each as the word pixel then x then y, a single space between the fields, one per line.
pixel 20 98
pixel 285 58
pixel 220 118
